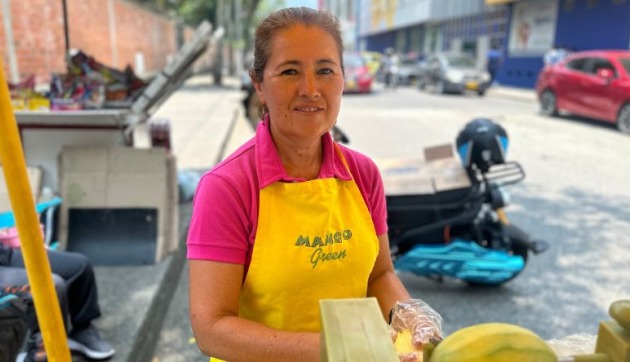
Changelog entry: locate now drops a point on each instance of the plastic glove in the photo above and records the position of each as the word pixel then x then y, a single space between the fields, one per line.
pixel 424 323
pixel 403 356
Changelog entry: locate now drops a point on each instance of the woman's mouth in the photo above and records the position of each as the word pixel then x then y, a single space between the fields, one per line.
pixel 307 109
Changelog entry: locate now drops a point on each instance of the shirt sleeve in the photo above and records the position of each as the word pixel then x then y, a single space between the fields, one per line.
pixel 218 224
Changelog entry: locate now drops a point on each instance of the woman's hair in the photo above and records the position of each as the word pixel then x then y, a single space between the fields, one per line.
pixel 283 19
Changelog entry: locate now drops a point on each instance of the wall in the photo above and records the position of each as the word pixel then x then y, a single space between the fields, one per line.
pixel 38 37
pixel 115 32
pixel 603 26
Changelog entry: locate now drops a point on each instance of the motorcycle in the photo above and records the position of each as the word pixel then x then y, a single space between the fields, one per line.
pixel 464 233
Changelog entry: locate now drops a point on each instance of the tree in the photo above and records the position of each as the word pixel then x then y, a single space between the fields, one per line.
pixel 192 12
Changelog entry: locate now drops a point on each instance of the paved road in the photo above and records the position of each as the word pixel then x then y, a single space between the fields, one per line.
pixel 575 196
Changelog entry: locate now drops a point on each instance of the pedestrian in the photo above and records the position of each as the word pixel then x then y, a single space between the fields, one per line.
pixel 391 67
pixel 291 217
pixel 75 284
pixel 555 54
pixel 493 63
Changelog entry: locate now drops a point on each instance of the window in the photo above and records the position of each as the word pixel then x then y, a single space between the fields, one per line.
pixel 578 64
pixel 601 63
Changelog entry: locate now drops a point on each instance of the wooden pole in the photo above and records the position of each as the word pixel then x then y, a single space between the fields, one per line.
pixel 31 241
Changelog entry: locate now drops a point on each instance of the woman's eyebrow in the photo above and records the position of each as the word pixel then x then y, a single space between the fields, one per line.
pixel 297 62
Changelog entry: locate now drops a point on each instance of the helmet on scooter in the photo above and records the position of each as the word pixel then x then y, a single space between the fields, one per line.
pixel 482 143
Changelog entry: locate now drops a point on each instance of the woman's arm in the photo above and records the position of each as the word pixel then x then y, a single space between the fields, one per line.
pixel 384 284
pixel 214 302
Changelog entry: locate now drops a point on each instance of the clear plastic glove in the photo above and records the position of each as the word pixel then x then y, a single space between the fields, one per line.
pixel 404 356
pixel 424 323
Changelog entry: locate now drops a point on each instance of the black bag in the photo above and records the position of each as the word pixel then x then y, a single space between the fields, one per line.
pixel 13 325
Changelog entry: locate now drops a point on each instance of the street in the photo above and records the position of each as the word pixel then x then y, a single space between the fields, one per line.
pixel 575 196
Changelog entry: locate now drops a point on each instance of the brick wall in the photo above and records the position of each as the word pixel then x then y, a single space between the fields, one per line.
pixel 115 32
pixel 38 38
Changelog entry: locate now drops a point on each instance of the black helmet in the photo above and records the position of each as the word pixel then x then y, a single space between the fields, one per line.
pixel 482 143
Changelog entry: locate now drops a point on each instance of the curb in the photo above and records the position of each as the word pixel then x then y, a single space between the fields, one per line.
pixel 524 95
pixel 144 344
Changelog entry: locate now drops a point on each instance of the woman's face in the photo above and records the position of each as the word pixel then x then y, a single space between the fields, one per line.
pixel 302 83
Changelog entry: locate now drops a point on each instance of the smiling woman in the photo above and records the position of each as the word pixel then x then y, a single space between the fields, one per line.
pixel 302 91
pixel 291 217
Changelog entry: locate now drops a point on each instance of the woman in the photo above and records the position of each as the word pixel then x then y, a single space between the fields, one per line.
pixel 291 217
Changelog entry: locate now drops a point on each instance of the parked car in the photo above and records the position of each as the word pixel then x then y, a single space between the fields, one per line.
pixel 453 72
pixel 373 61
pixel 594 84
pixel 408 71
pixel 358 78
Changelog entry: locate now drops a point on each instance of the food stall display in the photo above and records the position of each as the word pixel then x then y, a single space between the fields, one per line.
pixel 354 329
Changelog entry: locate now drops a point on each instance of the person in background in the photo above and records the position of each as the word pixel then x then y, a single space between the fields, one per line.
pixel 494 60
pixel 291 217
pixel 75 284
pixel 555 54
pixel 391 65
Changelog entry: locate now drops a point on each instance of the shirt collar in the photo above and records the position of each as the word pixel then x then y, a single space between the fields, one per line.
pixel 270 168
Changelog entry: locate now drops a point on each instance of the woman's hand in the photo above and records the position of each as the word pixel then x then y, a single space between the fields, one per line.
pixel 424 323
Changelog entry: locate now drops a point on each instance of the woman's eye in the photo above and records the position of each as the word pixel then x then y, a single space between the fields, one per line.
pixel 289 72
pixel 326 71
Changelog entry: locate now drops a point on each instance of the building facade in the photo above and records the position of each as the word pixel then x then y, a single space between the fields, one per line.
pixel 419 27
pixel 345 11
pixel 537 25
pixel 521 30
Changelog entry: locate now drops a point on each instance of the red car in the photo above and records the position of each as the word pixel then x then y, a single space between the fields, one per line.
pixel 594 84
pixel 358 78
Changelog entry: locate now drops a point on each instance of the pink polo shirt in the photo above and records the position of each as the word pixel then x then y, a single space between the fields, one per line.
pixel 225 207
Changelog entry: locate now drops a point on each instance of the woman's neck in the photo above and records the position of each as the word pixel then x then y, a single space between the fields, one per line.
pixel 301 161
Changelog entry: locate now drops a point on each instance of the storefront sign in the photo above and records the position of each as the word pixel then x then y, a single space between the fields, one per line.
pixel 533 27
pixel 384 15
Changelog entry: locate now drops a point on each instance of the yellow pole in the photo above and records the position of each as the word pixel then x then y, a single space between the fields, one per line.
pixel 32 244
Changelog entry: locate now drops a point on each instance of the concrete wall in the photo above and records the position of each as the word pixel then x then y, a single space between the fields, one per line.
pixel 115 32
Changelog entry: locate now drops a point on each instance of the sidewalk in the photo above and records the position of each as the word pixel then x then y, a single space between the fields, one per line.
pixel 520 94
pixel 206 124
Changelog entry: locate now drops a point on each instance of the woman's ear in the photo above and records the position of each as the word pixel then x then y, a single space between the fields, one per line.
pixel 259 92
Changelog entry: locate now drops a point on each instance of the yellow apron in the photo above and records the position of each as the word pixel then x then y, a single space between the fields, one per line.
pixel 315 240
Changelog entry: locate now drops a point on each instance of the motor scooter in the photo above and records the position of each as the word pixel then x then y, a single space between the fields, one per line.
pixel 464 233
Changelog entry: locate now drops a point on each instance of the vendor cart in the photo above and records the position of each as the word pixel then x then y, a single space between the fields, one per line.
pixel 120 203
pixel 45 133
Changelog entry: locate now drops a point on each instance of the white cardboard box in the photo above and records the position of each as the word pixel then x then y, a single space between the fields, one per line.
pixel 35 180
pixel 439 170
pixel 121 177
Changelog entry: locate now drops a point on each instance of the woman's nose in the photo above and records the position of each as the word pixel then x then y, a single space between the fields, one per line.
pixel 309 86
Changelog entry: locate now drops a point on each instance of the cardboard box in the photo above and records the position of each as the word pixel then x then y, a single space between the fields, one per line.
pixel 439 170
pixel 102 178
pixel 35 180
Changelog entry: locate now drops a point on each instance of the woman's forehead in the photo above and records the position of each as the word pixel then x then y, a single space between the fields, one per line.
pixel 302 40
